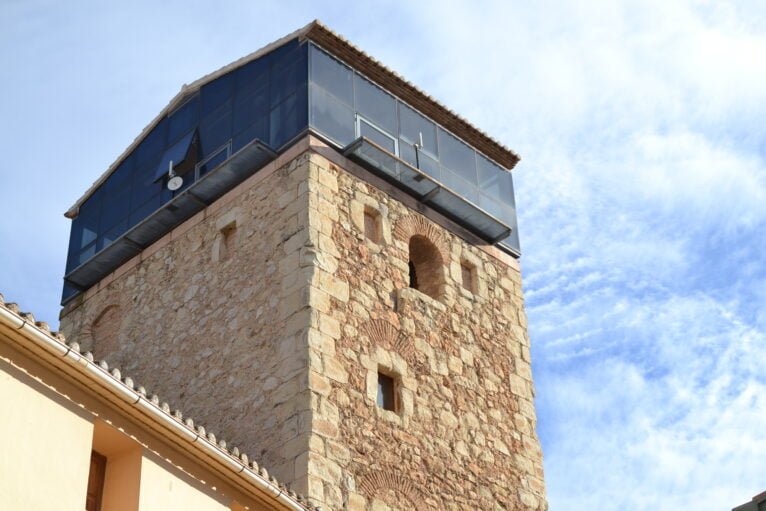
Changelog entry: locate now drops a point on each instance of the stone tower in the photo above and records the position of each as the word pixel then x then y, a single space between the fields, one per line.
pixel 315 258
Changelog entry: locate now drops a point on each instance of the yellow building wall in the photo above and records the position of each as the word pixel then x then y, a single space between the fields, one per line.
pixel 170 489
pixel 46 445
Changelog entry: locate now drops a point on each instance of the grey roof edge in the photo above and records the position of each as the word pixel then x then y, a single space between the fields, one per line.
pixel 319 33
pixel 128 382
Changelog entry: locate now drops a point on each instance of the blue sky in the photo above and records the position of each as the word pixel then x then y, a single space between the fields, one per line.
pixel 641 195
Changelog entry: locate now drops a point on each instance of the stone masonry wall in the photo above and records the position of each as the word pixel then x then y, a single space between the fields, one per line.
pixel 268 316
pixel 464 437
pixel 212 317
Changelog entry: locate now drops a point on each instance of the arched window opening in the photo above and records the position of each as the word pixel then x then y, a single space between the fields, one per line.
pixel 426 267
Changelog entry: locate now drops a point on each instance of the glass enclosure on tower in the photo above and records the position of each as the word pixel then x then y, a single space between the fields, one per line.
pixel 217 134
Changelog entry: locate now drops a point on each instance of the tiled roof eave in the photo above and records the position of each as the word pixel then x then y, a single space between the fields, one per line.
pixel 36 337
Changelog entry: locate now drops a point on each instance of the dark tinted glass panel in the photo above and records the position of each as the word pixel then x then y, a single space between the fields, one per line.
pixel 287 75
pixel 331 117
pixel 252 76
pixel 412 124
pixel 149 150
pixel 69 291
pixel 115 232
pixel 288 119
pixel 116 207
pixel 144 186
pixel 457 156
pixel 121 176
pixel 332 76
pixel 215 129
pixel 145 209
pixel 183 119
pixel 375 104
pixel 214 160
pixel 377 136
pixel 250 107
pixel 216 93
pixel 259 129
pixel 86 254
pixel 176 153
pixel 85 226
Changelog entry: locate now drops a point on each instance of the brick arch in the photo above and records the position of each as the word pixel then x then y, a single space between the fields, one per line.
pixel 415 225
pixel 382 333
pixel 100 331
pixel 392 488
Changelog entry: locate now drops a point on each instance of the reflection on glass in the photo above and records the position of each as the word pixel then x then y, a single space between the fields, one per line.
pixel 332 117
pixel 495 180
pixel 459 185
pixel 457 156
pixel 332 76
pixel 375 104
pixel 377 136
pixel 412 125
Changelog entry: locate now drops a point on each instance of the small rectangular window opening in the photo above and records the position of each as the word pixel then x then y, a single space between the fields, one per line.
pixel 228 234
pixel 372 225
pixel 95 482
pixel 468 276
pixel 387 393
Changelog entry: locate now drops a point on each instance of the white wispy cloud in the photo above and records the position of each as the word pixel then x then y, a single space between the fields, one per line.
pixel 642 196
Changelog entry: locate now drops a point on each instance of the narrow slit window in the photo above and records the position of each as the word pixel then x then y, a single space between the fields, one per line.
pixel 228 238
pixel 468 276
pixel 372 225
pixel 387 398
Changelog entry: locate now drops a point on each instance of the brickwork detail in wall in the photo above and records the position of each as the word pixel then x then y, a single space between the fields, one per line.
pixel 416 225
pixel 466 431
pixel 392 488
pixel 383 333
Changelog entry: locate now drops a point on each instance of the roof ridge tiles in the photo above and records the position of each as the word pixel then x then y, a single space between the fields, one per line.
pixel 162 406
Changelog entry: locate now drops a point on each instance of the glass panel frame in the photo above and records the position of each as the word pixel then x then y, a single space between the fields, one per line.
pixel 366 128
